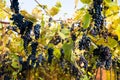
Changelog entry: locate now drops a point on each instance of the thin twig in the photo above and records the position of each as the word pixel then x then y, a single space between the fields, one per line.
pixel 41 7
pixel 3 22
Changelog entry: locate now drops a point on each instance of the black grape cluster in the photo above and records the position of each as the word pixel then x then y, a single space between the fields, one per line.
pixel 73 36
pixel 25 26
pixel 75 72
pixel 50 55
pixel 18 21
pixel 50 20
pixel 32 56
pixel 56 40
pixel 40 60
pixel 37 31
pixel 62 57
pixel 83 60
pixel 104 55
pixel 84 43
pixel 97 16
pixel 34 47
pixel 26 36
pixel 14 6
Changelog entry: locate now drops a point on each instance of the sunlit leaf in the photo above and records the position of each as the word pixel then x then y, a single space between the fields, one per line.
pixel 28 16
pixel 79 14
pixel 67 47
pixel 62 35
pixel 110 3
pixel 86 20
pixel 58 4
pixel 37 13
pixel 54 10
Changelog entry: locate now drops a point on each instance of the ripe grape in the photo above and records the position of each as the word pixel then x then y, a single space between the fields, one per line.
pixel 104 56
pixel 37 31
pixel 73 36
pixel 50 55
pixel 84 43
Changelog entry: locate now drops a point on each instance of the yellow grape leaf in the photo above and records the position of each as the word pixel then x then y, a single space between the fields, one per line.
pixel 79 14
pixel 112 10
pixel 37 13
pixel 58 4
pixel 110 3
pixel 28 16
pixel 117 31
pixel 86 1
pixel 2 3
pixel 54 10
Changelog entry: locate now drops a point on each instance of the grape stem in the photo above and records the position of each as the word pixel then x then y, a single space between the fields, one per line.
pixel 41 7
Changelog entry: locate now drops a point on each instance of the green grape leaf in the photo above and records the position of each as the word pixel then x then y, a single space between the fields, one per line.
pixel 57 53
pixel 86 1
pixel 111 42
pixel 15 64
pixel 67 47
pixel 65 31
pixel 86 20
pixel 62 35
pixel 42 21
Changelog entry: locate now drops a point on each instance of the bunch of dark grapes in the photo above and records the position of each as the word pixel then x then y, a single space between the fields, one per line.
pixel 40 60
pixel 104 55
pixel 13 28
pixel 37 31
pixel 31 61
pixel 73 36
pixel 27 40
pixel 34 47
pixel 75 72
pixel 18 21
pixel 26 36
pixel 50 20
pixel 50 55
pixel 14 6
pixel 6 77
pixel 62 57
pixel 56 40
pixel 84 43
pixel 97 16
pixel 83 60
